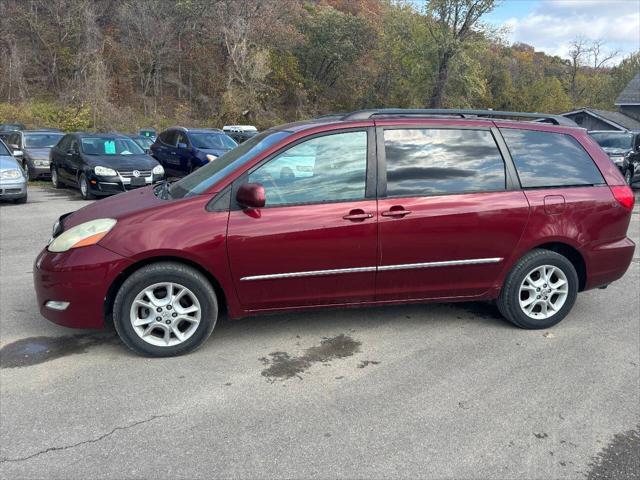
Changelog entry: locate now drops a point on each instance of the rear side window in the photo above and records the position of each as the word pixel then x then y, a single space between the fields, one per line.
pixel 546 159
pixel 442 161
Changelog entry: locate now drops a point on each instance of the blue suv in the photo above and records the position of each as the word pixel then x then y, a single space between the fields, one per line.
pixel 182 150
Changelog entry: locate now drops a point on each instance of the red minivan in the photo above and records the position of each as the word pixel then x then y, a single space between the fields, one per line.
pixel 368 208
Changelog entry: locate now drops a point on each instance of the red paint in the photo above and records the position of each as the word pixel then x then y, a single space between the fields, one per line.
pixel 228 246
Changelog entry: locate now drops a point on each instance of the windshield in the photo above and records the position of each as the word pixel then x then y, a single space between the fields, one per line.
pixel 110 146
pixel 144 142
pixel 613 140
pixel 203 178
pixel 211 140
pixel 41 140
pixel 3 149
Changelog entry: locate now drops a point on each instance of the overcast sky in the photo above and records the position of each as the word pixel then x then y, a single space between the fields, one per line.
pixel 550 25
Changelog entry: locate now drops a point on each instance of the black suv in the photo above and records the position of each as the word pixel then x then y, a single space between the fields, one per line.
pixel 182 150
pixel 102 164
pixel 624 150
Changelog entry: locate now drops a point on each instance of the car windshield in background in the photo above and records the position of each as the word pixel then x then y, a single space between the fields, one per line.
pixel 144 142
pixel 41 140
pixel 613 140
pixel 110 146
pixel 211 140
pixel 203 178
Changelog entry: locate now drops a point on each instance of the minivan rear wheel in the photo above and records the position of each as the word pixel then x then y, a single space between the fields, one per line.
pixel 539 291
pixel 165 309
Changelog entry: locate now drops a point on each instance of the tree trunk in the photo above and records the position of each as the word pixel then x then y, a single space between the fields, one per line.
pixel 441 81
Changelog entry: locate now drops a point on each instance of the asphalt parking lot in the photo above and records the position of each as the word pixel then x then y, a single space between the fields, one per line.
pixel 431 391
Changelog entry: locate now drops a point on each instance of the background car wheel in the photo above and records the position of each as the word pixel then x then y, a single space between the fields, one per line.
pixel 55 179
pixel 165 309
pixel 628 176
pixel 25 169
pixel 84 188
pixel 539 291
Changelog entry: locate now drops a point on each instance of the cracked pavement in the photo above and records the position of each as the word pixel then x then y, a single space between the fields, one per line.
pixel 436 391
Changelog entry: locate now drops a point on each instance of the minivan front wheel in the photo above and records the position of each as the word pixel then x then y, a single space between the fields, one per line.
pixel 539 291
pixel 165 309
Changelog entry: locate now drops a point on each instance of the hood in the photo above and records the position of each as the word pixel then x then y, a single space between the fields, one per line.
pixel 214 151
pixel 122 162
pixel 37 153
pixel 616 151
pixel 7 161
pixel 117 206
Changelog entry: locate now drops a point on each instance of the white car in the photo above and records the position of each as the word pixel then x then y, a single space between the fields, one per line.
pixel 240 133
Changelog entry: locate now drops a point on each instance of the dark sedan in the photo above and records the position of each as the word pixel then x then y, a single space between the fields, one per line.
pixel 102 164
pixel 35 146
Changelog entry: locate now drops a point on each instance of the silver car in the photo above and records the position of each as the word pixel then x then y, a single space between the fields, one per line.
pixel 13 184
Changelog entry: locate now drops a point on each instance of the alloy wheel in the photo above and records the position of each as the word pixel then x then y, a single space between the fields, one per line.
pixel 165 314
pixel 543 292
pixel 628 176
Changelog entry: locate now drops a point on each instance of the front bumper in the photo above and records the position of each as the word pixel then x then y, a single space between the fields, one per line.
pixel 10 191
pixel 80 277
pixel 103 186
pixel 39 168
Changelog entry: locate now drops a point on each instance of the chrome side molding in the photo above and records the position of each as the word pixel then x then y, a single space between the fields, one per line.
pixel 382 268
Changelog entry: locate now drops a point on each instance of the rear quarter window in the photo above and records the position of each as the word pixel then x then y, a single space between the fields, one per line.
pixel 547 159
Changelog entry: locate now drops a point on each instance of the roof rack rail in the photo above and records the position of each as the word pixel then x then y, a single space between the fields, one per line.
pixel 427 112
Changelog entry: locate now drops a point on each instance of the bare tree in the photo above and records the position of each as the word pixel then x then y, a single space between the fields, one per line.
pixel 599 55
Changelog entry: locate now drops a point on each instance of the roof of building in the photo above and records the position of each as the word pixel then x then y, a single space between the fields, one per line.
pixel 615 119
pixel 631 93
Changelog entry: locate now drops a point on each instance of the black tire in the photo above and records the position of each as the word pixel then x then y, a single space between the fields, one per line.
pixel 21 200
pixel 628 176
pixel 509 299
pixel 26 170
pixel 158 273
pixel 55 178
pixel 84 188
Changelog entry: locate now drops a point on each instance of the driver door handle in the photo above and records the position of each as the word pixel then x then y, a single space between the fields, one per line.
pixel 396 211
pixel 357 214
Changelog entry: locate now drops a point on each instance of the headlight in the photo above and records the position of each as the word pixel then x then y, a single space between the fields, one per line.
pixel 82 235
pixel 158 170
pixel 105 171
pixel 617 159
pixel 10 174
pixel 41 163
pixel 210 157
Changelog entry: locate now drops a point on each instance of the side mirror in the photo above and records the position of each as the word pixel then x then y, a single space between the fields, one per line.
pixel 70 152
pixel 251 195
pixel 17 153
pixel 182 145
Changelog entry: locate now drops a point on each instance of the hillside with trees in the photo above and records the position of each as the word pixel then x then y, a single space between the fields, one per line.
pixel 123 64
